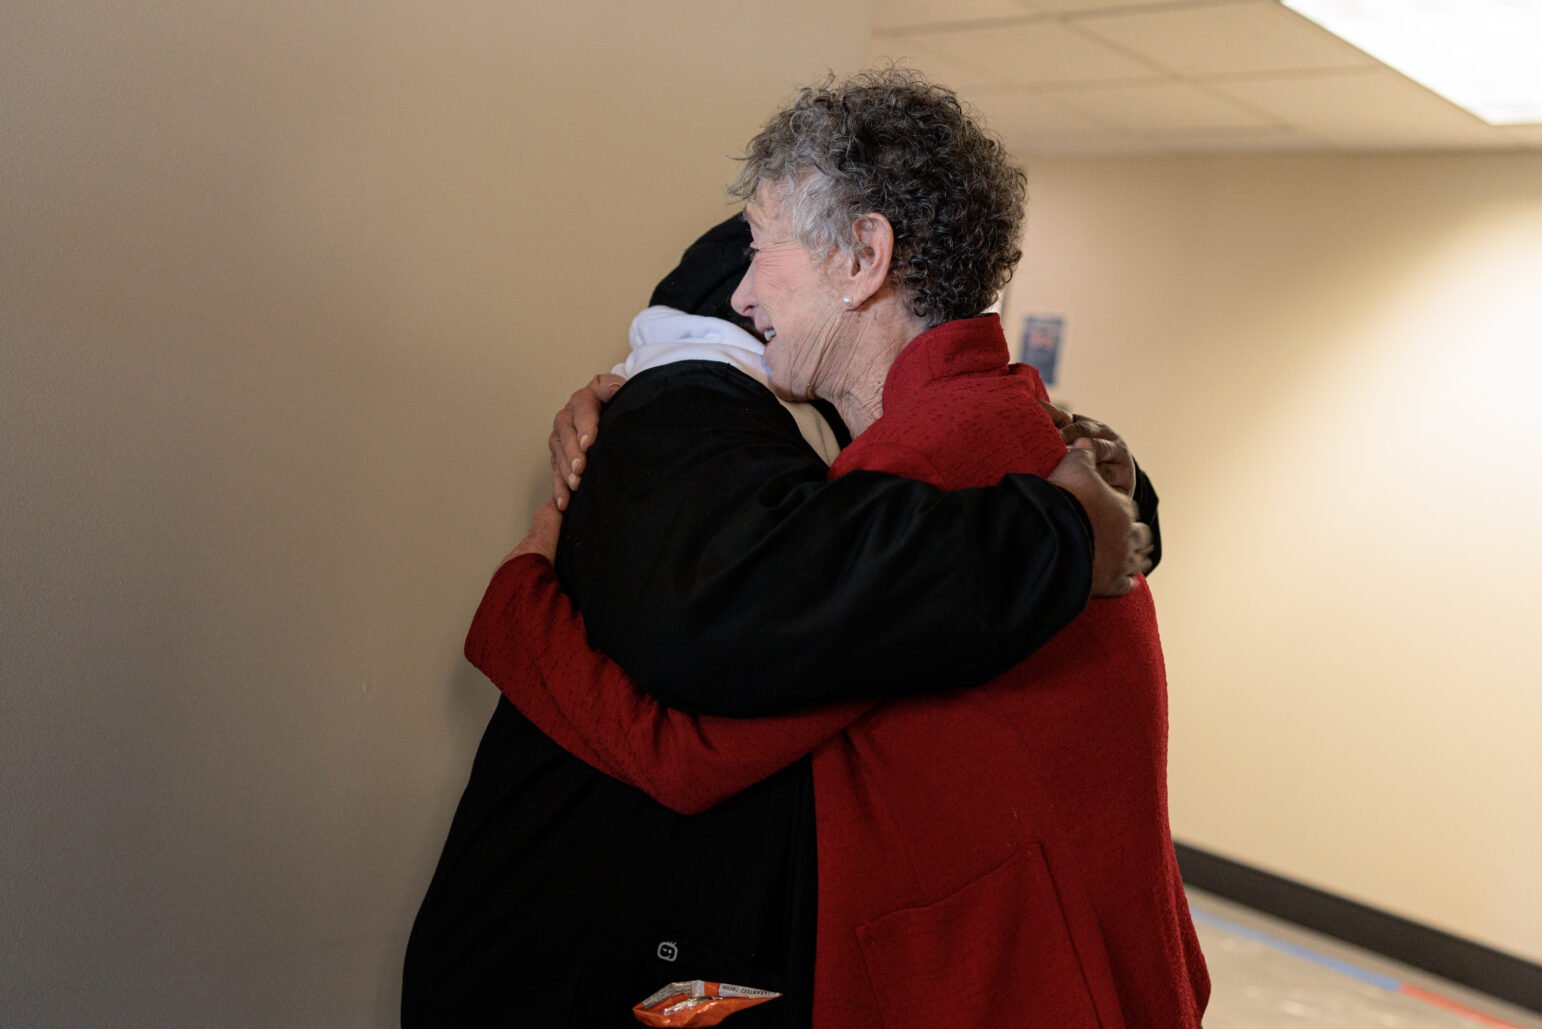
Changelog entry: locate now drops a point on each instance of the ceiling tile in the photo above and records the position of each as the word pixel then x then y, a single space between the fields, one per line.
pixel 1132 76
pixel 1033 54
pixel 893 14
pixel 1105 145
pixel 1162 107
pixel 1079 6
pixel 1021 116
pixel 1251 140
pixel 1372 108
pixel 1226 40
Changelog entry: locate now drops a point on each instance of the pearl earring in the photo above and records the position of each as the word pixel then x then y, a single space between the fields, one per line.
pixel 846 301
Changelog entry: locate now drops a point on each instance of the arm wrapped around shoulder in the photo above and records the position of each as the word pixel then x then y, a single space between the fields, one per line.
pixel 714 561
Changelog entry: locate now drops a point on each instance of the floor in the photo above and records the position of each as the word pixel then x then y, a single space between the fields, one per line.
pixel 1268 974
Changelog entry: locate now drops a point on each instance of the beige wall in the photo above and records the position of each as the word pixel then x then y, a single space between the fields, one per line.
pixel 289 294
pixel 1331 368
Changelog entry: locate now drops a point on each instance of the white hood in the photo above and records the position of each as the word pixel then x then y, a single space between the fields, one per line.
pixel 663 335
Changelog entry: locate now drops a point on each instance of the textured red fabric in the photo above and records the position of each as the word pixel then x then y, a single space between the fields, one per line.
pixel 1042 794
pixel 996 857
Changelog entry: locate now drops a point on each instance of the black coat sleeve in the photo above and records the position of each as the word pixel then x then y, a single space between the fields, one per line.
pixel 715 562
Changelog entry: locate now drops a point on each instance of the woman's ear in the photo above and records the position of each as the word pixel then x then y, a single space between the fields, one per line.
pixel 867 267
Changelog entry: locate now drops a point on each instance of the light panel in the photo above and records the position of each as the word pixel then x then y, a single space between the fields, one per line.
pixel 1481 55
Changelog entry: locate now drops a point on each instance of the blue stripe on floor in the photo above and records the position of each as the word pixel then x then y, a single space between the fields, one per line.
pixel 1304 953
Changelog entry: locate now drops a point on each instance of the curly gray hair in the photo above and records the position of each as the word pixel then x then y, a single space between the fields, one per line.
pixel 891 142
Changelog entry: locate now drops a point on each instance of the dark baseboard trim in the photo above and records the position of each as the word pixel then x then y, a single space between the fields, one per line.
pixel 1489 971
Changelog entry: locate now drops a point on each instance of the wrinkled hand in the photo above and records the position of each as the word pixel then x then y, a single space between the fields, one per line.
pixel 572 433
pixel 1121 546
pixel 1114 461
pixel 545 524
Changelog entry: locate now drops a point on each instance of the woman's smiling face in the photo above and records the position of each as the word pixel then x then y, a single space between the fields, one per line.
pixel 788 293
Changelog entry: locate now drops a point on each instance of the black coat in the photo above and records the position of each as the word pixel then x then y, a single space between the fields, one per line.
pixel 716 563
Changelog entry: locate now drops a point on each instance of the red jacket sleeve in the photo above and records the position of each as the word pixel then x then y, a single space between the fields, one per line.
pixel 529 639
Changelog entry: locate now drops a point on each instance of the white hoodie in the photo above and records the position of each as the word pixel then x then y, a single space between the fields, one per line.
pixel 663 335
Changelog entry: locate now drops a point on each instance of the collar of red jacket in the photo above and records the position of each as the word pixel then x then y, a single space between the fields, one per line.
pixel 967 346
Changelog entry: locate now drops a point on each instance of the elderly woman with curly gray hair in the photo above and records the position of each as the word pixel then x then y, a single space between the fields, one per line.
pixel 988 857
pixel 1004 856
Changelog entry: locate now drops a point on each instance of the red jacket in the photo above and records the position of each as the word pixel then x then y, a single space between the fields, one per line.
pixel 996 857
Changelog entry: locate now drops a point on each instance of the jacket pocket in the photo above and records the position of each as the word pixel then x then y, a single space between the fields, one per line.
pixel 997 952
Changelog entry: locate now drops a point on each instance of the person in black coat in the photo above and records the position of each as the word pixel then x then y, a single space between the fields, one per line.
pixel 563 897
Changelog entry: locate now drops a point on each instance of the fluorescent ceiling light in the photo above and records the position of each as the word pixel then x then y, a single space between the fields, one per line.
pixel 1479 54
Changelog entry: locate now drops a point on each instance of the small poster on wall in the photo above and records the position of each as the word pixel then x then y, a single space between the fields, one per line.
pixel 1042 334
